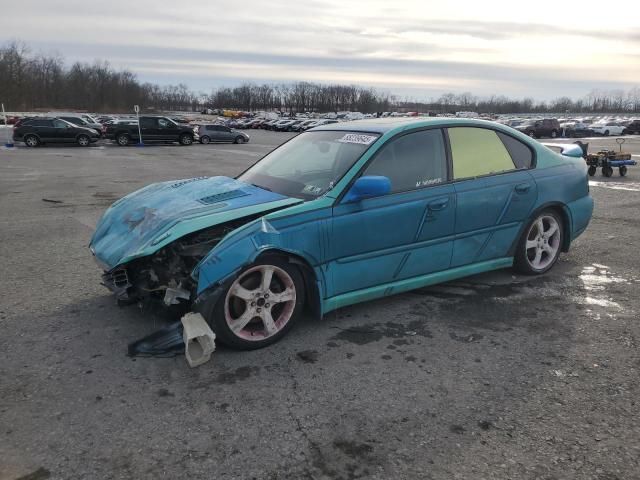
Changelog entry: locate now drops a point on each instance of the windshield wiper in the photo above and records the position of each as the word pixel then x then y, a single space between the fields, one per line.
pixel 263 188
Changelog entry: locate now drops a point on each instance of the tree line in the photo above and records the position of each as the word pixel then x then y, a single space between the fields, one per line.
pixel 32 82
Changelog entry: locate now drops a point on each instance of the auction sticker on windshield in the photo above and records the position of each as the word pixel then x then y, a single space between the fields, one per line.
pixel 357 138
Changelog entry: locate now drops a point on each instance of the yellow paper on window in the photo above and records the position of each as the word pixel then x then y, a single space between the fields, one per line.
pixel 477 151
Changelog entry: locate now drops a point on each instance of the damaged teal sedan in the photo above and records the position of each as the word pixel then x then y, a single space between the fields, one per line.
pixel 342 214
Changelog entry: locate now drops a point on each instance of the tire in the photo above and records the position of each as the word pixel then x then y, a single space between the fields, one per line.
pixel 554 134
pixel 230 308
pixel 607 171
pixel 623 171
pixel 606 133
pixel 31 141
pixel 185 139
pixel 123 139
pixel 205 140
pixel 83 140
pixel 592 171
pixel 239 139
pixel 532 134
pixel 535 253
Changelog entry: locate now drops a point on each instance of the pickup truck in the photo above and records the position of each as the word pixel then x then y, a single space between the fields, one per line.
pixel 153 129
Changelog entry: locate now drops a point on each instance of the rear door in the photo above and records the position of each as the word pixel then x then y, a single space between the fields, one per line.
pixel 403 234
pixel 495 192
pixel 43 128
pixel 148 128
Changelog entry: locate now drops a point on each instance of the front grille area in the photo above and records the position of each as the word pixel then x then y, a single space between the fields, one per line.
pixel 117 281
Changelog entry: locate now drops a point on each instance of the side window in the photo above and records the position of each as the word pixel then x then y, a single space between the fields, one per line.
pixel 477 151
pixel 163 123
pixel 60 124
pixel 412 161
pixel 521 155
pixel 146 122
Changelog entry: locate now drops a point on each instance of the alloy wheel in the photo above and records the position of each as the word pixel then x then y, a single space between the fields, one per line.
pixel 260 302
pixel 543 242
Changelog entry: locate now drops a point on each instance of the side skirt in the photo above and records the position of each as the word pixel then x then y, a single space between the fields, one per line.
pixel 400 286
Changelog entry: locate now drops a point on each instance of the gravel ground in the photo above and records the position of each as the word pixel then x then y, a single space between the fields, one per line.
pixel 496 376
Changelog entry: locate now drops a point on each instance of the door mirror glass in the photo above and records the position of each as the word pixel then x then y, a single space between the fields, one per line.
pixel 368 187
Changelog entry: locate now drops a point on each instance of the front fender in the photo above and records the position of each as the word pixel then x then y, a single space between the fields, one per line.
pixel 242 247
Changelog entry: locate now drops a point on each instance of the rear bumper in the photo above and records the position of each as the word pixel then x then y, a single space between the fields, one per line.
pixel 581 211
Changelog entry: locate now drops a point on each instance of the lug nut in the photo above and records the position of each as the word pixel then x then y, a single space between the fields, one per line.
pixel 253 304
pixel 266 305
pixel 258 310
pixel 266 295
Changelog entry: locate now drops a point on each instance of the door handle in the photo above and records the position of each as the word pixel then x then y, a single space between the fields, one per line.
pixel 438 204
pixel 523 188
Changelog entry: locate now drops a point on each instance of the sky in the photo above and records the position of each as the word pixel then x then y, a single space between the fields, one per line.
pixel 416 49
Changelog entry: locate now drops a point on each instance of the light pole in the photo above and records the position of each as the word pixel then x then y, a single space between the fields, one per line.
pixel 136 108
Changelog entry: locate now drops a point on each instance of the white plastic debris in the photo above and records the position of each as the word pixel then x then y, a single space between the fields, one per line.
pixel 199 339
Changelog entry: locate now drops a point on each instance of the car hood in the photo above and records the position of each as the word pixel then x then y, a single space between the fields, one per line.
pixel 146 220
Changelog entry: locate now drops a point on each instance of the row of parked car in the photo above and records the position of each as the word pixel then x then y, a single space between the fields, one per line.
pixel 281 125
pixel 580 128
pixel 35 131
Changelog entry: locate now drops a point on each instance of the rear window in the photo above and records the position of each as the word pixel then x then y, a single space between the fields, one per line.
pixel 521 155
pixel 477 152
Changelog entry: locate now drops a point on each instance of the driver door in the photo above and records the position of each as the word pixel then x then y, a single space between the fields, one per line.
pixel 403 234
pixel 63 132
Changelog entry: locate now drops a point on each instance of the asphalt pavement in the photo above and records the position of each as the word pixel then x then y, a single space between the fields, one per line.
pixel 496 376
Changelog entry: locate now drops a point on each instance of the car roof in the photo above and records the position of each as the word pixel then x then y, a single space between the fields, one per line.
pixel 388 124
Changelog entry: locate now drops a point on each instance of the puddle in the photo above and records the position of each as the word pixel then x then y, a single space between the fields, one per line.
pixel 631 186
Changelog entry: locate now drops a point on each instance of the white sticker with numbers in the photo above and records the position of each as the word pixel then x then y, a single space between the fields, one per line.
pixel 358 138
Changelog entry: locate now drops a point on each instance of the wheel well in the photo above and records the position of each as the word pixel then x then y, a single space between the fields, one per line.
pixel 561 210
pixel 312 295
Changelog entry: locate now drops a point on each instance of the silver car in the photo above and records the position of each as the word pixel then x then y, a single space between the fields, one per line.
pixel 208 133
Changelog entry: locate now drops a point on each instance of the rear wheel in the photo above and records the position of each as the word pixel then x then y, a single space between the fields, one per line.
pixel 205 139
pixel 239 139
pixel 554 134
pixel 260 306
pixel 31 141
pixel 592 171
pixel 539 248
pixel 185 139
pixel 83 140
pixel 532 134
pixel 123 139
pixel 623 170
pixel 606 133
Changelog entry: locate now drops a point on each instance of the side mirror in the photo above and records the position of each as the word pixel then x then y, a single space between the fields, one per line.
pixel 573 150
pixel 368 187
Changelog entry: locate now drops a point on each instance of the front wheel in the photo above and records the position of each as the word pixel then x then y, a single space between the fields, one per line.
pixel 592 171
pixel 532 134
pixel 540 245
pixel 607 171
pixel 204 140
pixel 83 140
pixel 622 170
pixel 554 134
pixel 260 306
pixel 239 139
pixel 185 139
pixel 606 133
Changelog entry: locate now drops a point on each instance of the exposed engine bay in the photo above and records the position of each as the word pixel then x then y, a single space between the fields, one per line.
pixel 165 277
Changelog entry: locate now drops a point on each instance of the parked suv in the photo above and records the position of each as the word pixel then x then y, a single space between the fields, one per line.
pixel 632 129
pixel 548 127
pixel 153 128
pixel 39 130
pixel 219 133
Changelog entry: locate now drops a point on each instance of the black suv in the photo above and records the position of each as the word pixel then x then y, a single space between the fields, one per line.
pixel 153 129
pixel 632 129
pixel 39 130
pixel 549 127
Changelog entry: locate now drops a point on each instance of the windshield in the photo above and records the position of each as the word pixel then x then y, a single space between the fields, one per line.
pixel 310 164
